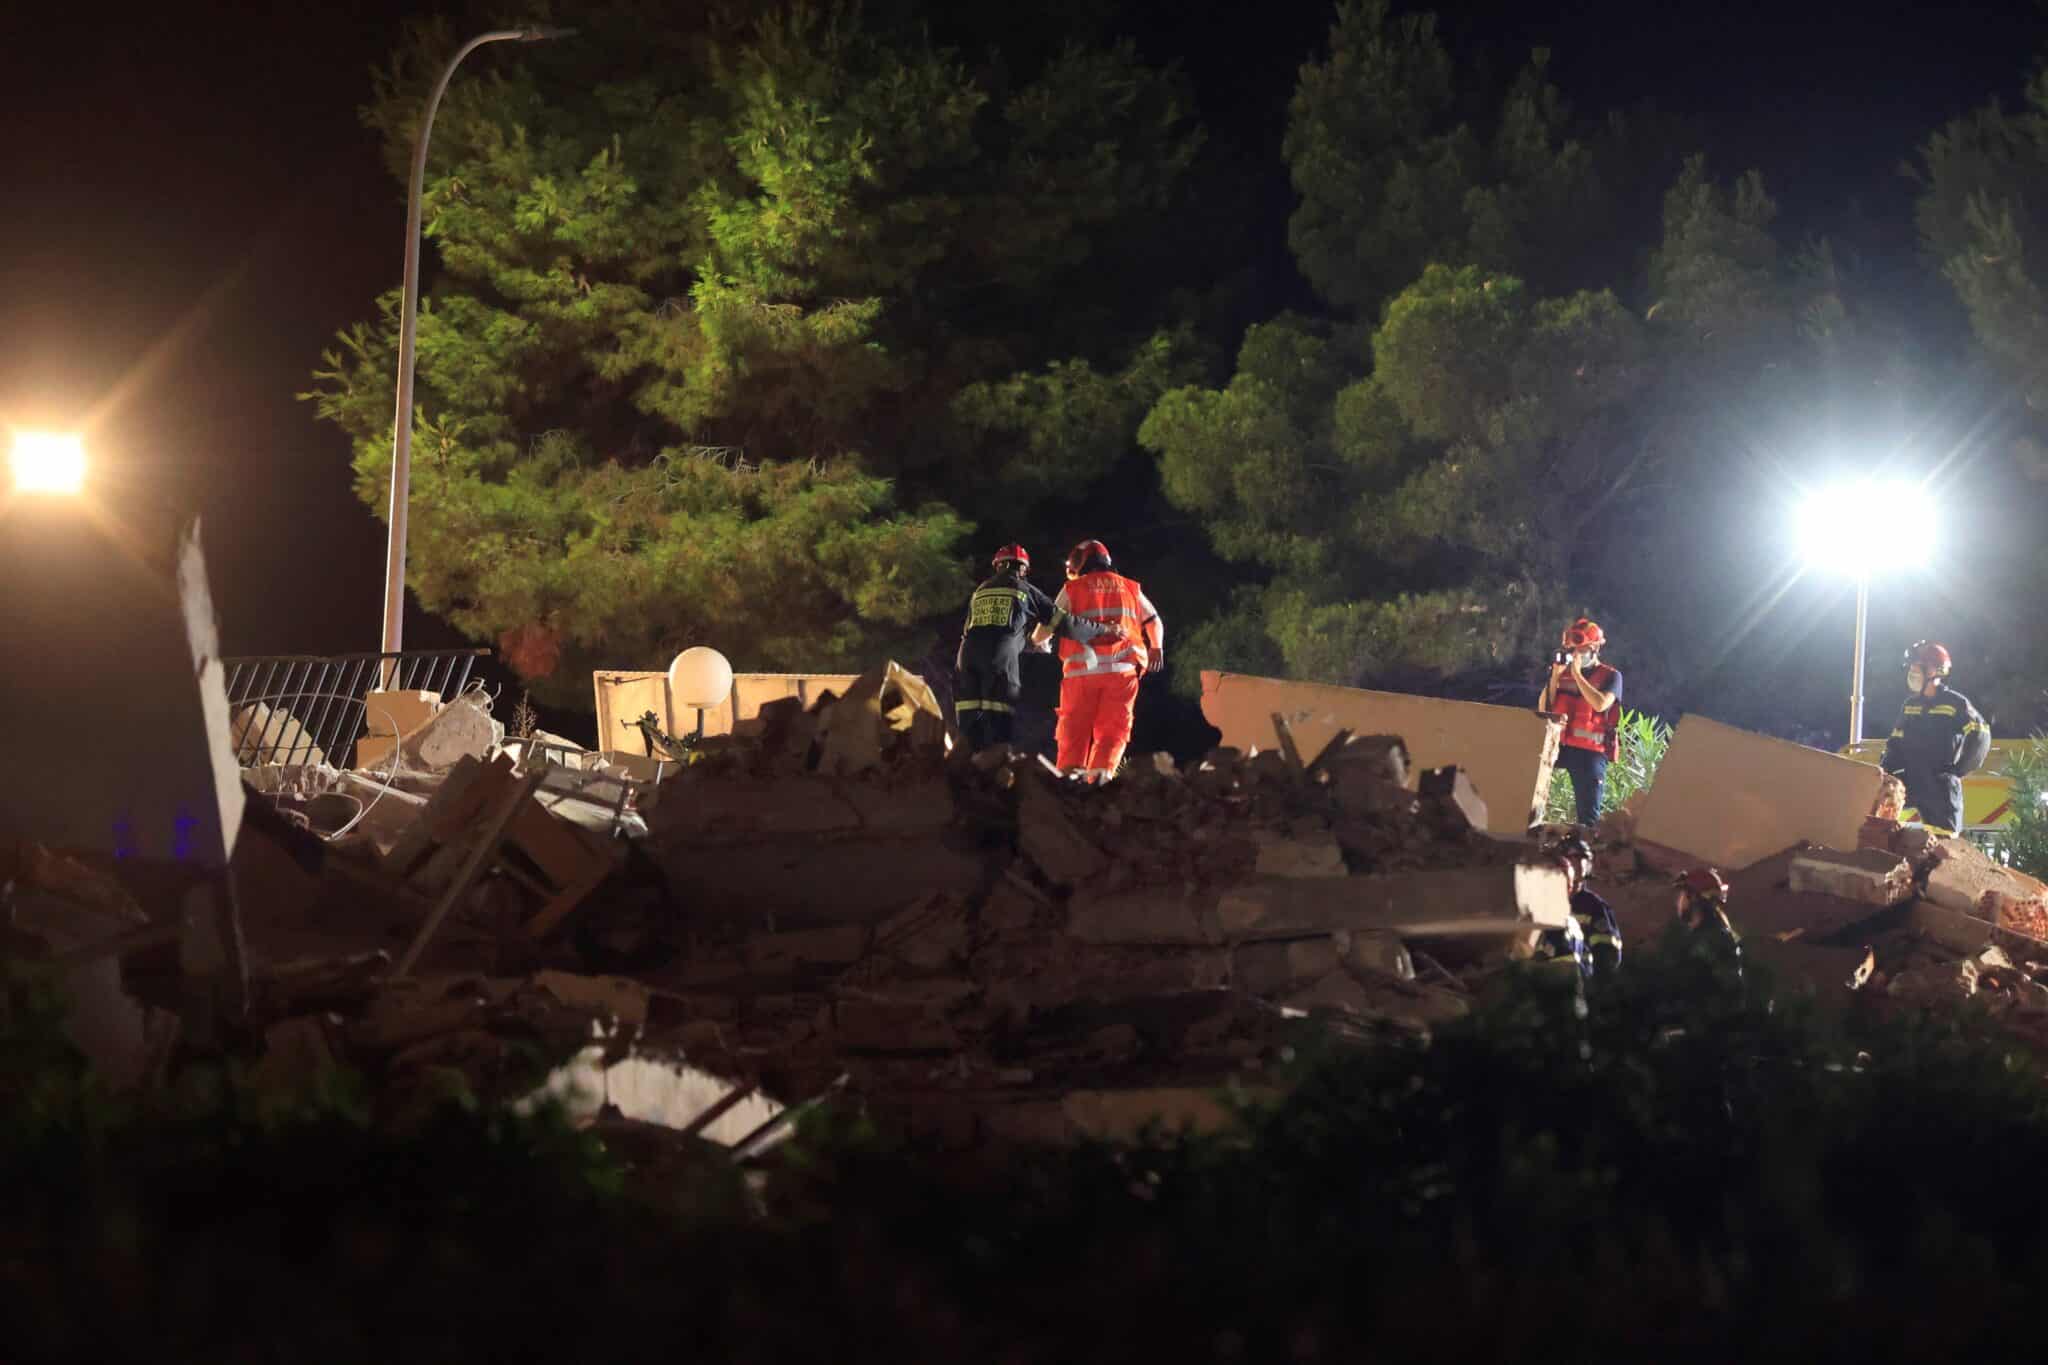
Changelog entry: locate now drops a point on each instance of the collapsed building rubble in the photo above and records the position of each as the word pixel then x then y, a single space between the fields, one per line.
pixel 827 896
pixel 841 901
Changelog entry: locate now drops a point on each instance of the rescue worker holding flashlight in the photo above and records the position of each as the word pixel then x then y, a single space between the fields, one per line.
pixel 1587 693
pixel 1939 738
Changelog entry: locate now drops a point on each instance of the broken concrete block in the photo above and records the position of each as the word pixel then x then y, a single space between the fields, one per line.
pixel 1963 877
pixel 1507 750
pixel 1377 951
pixel 1404 1003
pixel 1384 757
pixel 1731 798
pixel 734 806
pixel 461 729
pixel 262 733
pixel 1952 929
pixel 398 712
pixel 899 1021
pixel 928 937
pixel 1917 844
pixel 1450 802
pixel 1143 915
pixel 1311 854
pixel 1879 833
pixel 806 949
pixel 1273 968
pixel 1869 875
pixel 1940 984
pixel 1504 899
pixel 1049 838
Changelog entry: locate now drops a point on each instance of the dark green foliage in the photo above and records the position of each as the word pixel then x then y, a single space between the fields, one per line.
pixel 739 316
pixel 1688 1163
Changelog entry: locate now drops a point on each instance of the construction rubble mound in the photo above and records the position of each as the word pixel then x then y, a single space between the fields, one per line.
pixel 840 902
pixel 834 899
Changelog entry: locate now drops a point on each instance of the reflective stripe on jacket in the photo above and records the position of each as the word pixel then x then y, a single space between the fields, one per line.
pixel 1131 627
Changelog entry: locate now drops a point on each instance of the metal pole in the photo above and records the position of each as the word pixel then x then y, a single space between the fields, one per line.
pixel 1856 674
pixel 408 326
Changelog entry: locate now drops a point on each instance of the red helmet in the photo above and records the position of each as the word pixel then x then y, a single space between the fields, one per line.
pixel 1012 554
pixel 1931 657
pixel 1584 633
pixel 1087 557
pixel 1703 882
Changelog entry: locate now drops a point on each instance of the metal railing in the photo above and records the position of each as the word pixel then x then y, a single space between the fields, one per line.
pixel 308 708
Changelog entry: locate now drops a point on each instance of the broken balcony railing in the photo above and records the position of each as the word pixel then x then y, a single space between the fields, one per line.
pixel 299 709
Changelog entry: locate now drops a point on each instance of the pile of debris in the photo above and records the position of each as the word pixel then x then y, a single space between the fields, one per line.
pixel 843 901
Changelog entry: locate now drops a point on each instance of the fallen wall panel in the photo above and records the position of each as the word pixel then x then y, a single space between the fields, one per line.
pixel 1506 751
pixel 1732 797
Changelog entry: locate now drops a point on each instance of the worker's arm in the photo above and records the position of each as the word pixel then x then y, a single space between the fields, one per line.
pixel 1548 701
pixel 1595 698
pixel 1976 745
pixel 1894 760
pixel 1154 630
pixel 1056 619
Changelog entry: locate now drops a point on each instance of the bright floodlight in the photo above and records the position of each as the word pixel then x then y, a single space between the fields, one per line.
pixel 1835 526
pixel 48 462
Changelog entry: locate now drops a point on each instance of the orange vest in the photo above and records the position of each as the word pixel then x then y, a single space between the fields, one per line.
pixel 1585 728
pixel 1111 600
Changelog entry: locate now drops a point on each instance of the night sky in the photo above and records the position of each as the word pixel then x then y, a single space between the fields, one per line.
pixel 192 210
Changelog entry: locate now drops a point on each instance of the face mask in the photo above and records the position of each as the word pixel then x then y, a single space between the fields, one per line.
pixel 1586 657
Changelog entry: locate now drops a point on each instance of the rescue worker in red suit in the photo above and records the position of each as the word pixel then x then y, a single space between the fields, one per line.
pixel 1099 679
pixel 1587 693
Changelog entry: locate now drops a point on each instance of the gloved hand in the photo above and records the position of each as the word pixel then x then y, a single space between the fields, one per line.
pixel 1156 662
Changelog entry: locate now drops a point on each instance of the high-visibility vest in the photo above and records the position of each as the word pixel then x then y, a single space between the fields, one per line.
pixel 1116 603
pixel 1585 728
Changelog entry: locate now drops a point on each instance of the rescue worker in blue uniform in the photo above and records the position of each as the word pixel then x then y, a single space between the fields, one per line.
pixel 1597 944
pixel 1702 907
pixel 987 677
pixel 1939 738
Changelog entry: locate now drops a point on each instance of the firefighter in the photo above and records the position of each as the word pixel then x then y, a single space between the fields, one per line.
pixel 1598 941
pixel 987 678
pixel 1703 909
pixel 1099 677
pixel 1938 739
pixel 1587 693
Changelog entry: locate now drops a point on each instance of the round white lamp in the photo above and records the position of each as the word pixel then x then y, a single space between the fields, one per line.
pixel 699 677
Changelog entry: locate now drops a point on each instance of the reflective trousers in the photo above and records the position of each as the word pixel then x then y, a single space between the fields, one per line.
pixel 1095 722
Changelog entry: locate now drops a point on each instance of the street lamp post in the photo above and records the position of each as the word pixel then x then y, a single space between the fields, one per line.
pixel 1832 537
pixel 408 326
pixel 1856 669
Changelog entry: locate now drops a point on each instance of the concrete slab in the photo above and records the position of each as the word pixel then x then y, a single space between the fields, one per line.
pixel 116 705
pixel 1731 797
pixel 1506 751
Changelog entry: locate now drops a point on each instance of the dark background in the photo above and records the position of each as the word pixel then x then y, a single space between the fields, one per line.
pixel 191 210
